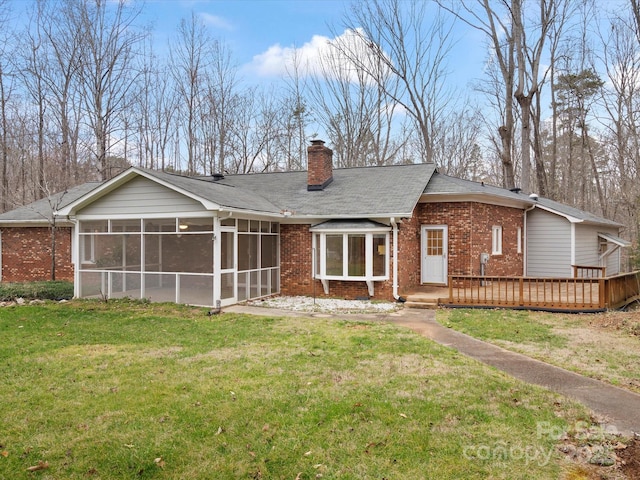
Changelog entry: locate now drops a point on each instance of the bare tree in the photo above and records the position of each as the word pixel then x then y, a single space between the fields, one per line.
pixel 354 110
pixel 6 87
pixel 497 27
pixel 223 105
pixel 110 38
pixel 190 55
pixel 408 41
pixel 297 114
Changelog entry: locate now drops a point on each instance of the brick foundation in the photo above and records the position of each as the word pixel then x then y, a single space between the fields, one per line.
pixel 26 254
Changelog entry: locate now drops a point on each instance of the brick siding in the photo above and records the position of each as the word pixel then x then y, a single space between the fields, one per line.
pixel 26 254
pixel 296 269
pixel 470 231
pixel 469 234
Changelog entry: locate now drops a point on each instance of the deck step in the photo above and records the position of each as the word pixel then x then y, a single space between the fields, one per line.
pixel 425 304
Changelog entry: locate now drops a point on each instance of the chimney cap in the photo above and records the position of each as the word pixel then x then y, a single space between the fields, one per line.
pixel 317 142
pixel 217 176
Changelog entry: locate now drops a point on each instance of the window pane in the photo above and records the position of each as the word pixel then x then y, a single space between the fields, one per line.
pixel 357 256
pixel 243 225
pixel 97 226
pixel 109 251
pixel 187 253
pixel 195 224
pixel 227 287
pixel 125 225
pixel 247 252
pixel 228 222
pixel 152 249
pixel 269 257
pixel 317 255
pixel 275 280
pixel 334 255
pixel 379 255
pixel 132 254
pixel 227 252
pixel 435 242
pixel 243 286
pixel 160 225
pixel 196 289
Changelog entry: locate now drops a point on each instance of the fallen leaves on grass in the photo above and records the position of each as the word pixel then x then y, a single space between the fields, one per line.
pixel 40 466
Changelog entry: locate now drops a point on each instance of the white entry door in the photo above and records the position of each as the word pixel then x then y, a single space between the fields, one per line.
pixel 228 266
pixel 434 254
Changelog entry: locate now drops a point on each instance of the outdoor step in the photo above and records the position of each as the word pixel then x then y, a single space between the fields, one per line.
pixel 422 298
pixel 431 304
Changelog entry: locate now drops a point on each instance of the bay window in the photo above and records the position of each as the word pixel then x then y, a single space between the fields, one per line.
pixel 356 250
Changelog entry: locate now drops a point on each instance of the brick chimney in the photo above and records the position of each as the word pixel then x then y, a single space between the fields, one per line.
pixel 319 165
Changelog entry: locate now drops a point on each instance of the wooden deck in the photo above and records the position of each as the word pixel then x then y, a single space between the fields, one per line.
pixel 581 294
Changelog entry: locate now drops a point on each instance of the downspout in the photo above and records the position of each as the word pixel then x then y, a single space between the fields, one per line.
pixel 525 241
pixel 394 225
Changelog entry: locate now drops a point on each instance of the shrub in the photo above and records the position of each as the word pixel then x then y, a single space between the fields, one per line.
pixel 53 290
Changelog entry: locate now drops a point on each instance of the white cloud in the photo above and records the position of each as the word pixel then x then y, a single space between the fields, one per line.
pixel 278 60
pixel 216 21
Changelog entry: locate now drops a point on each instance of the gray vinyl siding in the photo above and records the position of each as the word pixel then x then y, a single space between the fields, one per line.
pixel 142 196
pixel 587 245
pixel 548 245
pixel 613 263
pixel 615 258
pixel 587 248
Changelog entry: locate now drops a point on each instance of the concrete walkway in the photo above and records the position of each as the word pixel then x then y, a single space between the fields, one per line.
pixel 619 407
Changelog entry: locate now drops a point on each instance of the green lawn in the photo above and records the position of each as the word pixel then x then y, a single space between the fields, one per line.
pixel 133 390
pixel 603 346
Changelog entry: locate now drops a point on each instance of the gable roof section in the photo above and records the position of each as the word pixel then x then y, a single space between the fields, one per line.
pixel 211 196
pixel 443 187
pixel 574 215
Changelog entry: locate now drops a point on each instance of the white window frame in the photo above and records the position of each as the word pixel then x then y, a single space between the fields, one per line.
pixel 319 248
pixel 496 240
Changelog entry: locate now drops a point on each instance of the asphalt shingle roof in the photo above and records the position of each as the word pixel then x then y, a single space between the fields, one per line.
pixel 441 184
pixel 41 210
pixel 353 193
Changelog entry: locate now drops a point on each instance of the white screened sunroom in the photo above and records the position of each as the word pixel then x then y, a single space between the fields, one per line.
pixel 197 260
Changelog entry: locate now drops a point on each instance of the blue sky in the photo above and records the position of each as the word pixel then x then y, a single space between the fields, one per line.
pixel 260 32
pixel 251 27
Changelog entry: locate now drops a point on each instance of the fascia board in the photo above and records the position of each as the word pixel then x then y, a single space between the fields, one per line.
pixel 475 197
pixel 370 215
pixel 570 218
pixel 34 223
